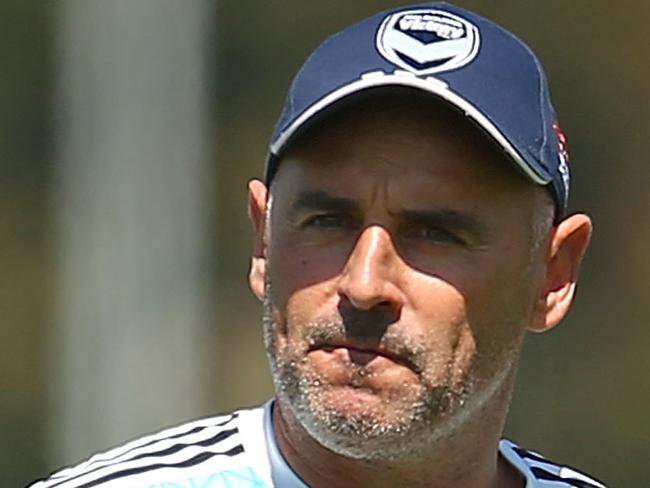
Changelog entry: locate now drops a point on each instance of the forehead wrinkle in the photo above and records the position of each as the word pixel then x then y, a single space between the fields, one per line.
pixel 381 193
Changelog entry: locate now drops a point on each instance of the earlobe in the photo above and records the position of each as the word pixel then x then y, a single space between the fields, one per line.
pixel 568 245
pixel 256 277
pixel 257 201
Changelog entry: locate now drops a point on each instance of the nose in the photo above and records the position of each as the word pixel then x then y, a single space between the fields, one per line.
pixel 370 277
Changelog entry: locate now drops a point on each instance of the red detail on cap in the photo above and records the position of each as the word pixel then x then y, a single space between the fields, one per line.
pixel 562 140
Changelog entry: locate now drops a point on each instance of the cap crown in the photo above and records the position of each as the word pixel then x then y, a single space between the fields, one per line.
pixel 454 54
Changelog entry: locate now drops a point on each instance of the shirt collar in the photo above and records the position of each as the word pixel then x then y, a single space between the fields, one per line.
pixel 281 473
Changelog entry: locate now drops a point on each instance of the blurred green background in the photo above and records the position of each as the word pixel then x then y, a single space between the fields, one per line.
pixel 583 392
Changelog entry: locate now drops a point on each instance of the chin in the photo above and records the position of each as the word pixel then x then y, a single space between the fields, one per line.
pixel 361 424
pixel 369 433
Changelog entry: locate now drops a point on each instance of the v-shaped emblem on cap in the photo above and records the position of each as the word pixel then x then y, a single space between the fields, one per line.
pixel 424 52
pixel 427 41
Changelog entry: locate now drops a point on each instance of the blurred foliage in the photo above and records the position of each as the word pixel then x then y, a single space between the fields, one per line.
pixel 583 390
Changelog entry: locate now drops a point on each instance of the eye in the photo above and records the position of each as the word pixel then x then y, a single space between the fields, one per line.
pixel 328 221
pixel 436 234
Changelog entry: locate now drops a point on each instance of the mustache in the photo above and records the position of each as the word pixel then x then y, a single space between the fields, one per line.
pixel 367 331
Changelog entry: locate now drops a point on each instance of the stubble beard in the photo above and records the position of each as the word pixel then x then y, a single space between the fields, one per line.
pixel 427 417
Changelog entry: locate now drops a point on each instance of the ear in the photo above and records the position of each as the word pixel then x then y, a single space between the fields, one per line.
pixel 257 200
pixel 569 241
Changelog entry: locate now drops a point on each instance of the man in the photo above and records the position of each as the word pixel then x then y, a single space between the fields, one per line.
pixel 411 229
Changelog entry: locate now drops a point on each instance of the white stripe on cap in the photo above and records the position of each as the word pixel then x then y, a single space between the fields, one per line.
pixel 429 84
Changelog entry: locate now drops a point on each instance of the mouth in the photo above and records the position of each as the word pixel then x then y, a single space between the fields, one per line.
pixel 363 355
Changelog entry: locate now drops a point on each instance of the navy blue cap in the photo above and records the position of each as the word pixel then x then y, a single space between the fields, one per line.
pixel 451 53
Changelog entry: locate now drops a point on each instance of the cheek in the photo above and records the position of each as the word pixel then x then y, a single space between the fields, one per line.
pixel 437 322
pixel 503 299
pixel 438 305
pixel 468 321
pixel 494 289
pixel 303 282
pixel 295 265
pixel 498 312
pixel 299 309
pixel 309 306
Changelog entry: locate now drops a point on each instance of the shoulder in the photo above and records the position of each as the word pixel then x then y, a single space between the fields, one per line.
pixel 197 453
pixel 541 472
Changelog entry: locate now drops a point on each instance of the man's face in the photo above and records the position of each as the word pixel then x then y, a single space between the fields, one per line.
pixel 399 279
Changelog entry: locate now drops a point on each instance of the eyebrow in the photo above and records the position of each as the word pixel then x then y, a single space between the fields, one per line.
pixel 319 200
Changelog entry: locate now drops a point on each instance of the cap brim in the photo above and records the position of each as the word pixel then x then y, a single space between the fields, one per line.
pixel 430 85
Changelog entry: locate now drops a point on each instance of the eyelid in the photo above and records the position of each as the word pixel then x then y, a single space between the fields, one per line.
pixel 342 218
pixel 443 234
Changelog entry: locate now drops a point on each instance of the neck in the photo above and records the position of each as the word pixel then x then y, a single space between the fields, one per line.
pixel 468 457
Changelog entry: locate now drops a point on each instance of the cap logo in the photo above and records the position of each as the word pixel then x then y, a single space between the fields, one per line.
pixel 427 41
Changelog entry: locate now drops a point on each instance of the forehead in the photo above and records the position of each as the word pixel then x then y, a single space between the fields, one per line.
pixel 406 138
